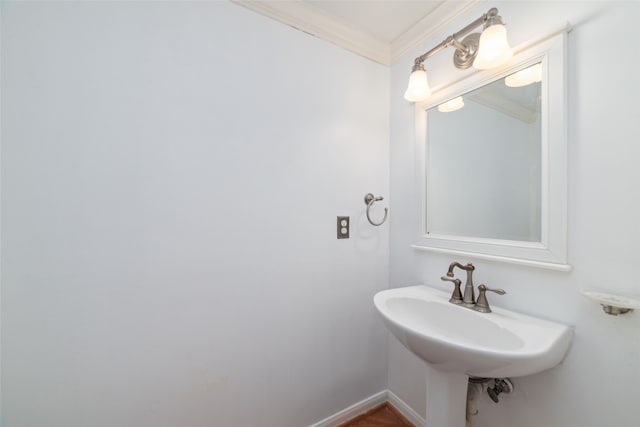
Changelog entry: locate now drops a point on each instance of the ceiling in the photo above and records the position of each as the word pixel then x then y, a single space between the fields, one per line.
pixel 381 30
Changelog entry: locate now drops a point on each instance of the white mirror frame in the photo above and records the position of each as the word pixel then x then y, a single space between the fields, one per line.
pixel 551 251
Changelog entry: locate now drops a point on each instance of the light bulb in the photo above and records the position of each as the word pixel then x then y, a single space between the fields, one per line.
pixel 494 48
pixel 525 77
pixel 418 89
pixel 451 105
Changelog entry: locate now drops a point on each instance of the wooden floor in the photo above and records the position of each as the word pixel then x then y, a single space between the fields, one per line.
pixel 384 415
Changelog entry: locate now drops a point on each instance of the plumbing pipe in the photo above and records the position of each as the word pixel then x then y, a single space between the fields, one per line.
pixel 473 395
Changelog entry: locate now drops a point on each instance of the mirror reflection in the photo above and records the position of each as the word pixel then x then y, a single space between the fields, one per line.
pixel 484 161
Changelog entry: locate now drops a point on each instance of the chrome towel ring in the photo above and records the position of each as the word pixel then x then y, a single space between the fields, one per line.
pixel 369 200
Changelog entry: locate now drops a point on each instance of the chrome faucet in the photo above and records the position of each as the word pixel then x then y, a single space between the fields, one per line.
pixel 468 300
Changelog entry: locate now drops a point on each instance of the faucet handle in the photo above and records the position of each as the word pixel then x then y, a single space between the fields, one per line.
pixel 456 296
pixel 482 305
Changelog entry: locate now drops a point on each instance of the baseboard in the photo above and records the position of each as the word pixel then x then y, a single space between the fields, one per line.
pixel 406 410
pixel 353 410
pixel 369 403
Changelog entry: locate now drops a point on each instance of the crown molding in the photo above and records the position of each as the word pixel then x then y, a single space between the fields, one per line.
pixel 430 26
pixel 312 20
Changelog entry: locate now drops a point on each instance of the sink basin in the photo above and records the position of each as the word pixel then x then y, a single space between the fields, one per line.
pixel 451 338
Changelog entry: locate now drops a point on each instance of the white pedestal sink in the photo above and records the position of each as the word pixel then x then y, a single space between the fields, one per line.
pixel 457 342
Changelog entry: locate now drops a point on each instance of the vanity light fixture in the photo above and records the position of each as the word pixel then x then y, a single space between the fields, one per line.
pixel 532 74
pixel 451 105
pixel 418 85
pixel 485 50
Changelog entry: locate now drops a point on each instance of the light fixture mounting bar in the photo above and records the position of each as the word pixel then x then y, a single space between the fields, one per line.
pixel 454 39
pixel 486 49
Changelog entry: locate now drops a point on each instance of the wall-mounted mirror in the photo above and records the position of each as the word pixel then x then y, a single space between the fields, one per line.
pixel 483 177
pixel 492 161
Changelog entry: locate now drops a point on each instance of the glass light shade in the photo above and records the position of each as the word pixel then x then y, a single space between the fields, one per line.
pixel 525 77
pixel 418 89
pixel 451 105
pixel 494 48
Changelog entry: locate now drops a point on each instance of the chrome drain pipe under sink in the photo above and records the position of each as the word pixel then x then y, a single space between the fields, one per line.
pixel 474 389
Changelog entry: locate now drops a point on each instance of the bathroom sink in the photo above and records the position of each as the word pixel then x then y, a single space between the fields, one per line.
pixel 451 338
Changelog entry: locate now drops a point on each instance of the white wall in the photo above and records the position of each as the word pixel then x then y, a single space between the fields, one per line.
pixel 171 174
pixel 597 385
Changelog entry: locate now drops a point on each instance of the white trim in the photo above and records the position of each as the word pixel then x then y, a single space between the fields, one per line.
pixel 406 410
pixel 315 21
pixel 312 20
pixel 369 403
pixel 430 26
pixel 353 411
pixel 508 260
